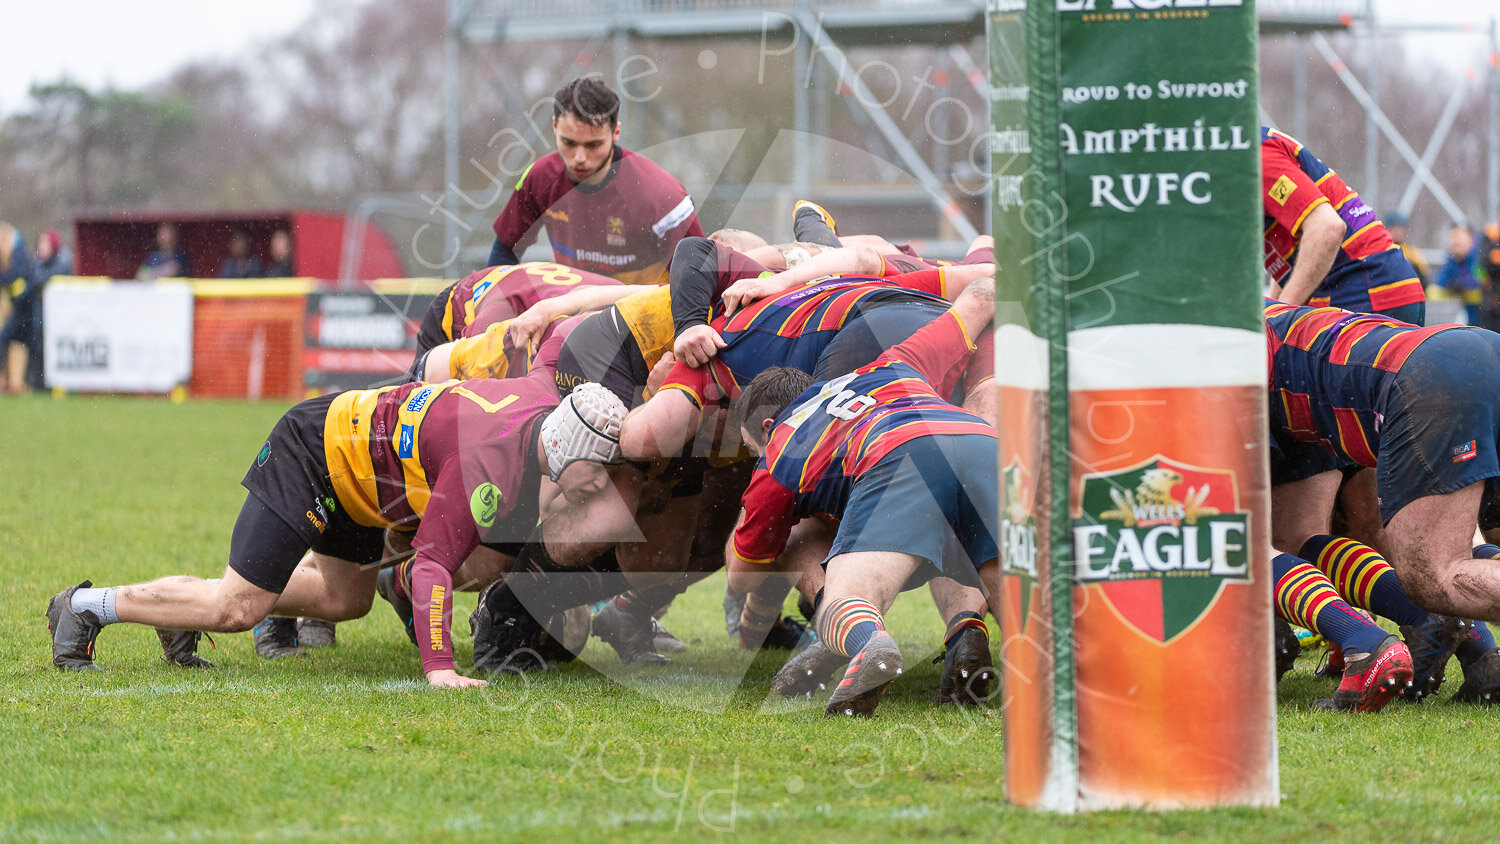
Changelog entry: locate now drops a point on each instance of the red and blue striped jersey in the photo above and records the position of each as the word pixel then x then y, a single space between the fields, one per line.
pixel 794 328
pixel 1295 182
pixel 1329 373
pixel 834 432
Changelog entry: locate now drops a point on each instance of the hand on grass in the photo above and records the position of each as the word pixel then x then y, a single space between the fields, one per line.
pixel 447 678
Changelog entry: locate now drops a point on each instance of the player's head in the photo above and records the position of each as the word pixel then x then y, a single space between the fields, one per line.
pixel 763 399
pixel 580 437
pixel 586 125
pixel 738 239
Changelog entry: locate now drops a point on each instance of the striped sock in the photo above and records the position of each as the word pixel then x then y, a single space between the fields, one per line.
pixel 961 622
pixel 1487 552
pixel 756 618
pixel 845 626
pixel 1363 578
pixel 1305 597
pixel 403 579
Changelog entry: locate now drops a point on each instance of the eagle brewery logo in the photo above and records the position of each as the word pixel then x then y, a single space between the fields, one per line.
pixel 1018 549
pixel 1160 540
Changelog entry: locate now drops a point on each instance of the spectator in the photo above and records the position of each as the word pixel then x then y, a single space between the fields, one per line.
pixel 1395 223
pixel 240 263
pixel 51 260
pixel 1489 261
pixel 281 256
pixel 169 260
pixel 16 273
pixel 1461 277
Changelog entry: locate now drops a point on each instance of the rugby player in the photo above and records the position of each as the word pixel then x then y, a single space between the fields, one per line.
pixel 462 460
pixel 1418 405
pixel 607 210
pixel 494 294
pixel 904 471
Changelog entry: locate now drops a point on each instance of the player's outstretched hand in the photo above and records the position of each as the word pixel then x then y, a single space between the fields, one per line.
pixel 696 345
pixel 447 678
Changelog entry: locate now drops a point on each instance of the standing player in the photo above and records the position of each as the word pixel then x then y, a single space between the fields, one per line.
pixel 607 210
pixel 903 470
pixel 1324 245
pixel 464 459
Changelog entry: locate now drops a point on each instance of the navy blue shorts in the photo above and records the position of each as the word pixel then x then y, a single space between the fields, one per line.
pixel 867 335
pixel 1293 461
pixel 1442 419
pixel 922 493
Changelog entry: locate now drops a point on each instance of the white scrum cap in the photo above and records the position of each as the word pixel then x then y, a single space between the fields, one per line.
pixel 585 426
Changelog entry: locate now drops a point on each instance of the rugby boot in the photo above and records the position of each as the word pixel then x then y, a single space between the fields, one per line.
pixel 629 635
pixel 1432 643
pixel 385 584
pixel 808 220
pixel 968 671
pixel 1333 663
pixel 1372 680
pixel 865 682
pixel 180 647
pixel 1481 680
pixel 664 641
pixel 73 633
pixel 565 634
pixel 505 634
pixel 785 635
pixel 276 637
pixel 1286 647
pixel 808 671
pixel 315 633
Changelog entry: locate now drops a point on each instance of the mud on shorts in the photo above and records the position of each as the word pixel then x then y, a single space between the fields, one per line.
pixel 923 492
pixel 1442 420
pixel 292 506
pixel 602 349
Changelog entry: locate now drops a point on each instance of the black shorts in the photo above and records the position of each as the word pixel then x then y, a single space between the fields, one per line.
pixel 1293 461
pixel 289 480
pixel 602 349
pixel 431 334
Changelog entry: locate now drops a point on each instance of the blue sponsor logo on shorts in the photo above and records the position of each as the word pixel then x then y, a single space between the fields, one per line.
pixel 1467 451
pixel 403 446
pixel 419 399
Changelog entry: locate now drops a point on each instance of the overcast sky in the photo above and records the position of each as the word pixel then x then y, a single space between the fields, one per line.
pixel 135 43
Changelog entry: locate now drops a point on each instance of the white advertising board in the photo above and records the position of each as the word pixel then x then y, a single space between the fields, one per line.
pixel 121 337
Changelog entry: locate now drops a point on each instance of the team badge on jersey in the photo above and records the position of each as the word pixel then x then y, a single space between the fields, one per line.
pixel 1161 540
pixel 614 233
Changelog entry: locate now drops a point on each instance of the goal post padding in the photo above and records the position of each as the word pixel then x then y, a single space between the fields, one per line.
pixel 1136 594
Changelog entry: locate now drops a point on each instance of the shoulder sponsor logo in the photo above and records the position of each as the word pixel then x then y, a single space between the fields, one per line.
pixel 265 454
pixel 405 442
pixel 1161 540
pixel 1281 190
pixel 484 503
pixel 674 218
pixel 419 399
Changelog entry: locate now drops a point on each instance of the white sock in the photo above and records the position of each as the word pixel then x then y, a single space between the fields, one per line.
pixel 99 602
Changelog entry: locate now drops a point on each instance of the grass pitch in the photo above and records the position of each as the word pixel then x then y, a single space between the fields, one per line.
pixel 349 742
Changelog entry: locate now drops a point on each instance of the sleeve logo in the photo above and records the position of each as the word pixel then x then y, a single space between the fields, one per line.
pixel 1281 190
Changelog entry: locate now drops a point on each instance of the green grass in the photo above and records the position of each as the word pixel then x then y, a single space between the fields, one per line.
pixel 349 742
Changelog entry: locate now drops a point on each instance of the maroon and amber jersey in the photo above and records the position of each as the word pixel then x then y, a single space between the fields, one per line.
pixel 495 294
pixel 794 328
pixel 1330 372
pixel 833 433
pixel 460 456
pixel 626 227
pixel 1369 273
